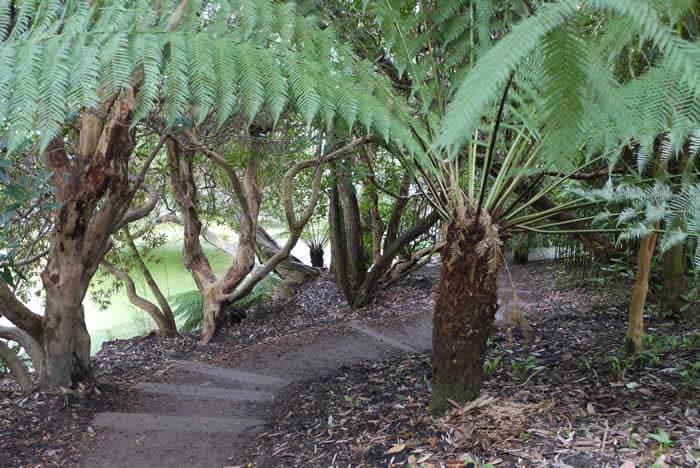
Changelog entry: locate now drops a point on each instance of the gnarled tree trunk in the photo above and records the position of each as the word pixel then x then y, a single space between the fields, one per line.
pixel 465 308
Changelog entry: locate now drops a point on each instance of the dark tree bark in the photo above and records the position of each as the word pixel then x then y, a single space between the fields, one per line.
pixel 358 283
pixel 465 308
pixel 352 231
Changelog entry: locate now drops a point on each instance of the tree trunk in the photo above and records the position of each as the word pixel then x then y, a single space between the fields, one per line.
pixel 17 369
pixel 339 255
pixel 66 341
pixel 291 268
pixel 316 254
pixel 165 323
pixel 674 279
pixel 352 228
pixel 634 339
pixel 521 250
pixel 165 320
pixel 465 308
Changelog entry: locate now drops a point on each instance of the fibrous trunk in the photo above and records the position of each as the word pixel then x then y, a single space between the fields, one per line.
pixel 316 254
pixel 465 308
pixel 634 339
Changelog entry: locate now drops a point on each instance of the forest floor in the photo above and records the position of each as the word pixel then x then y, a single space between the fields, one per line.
pixel 569 397
pixel 46 429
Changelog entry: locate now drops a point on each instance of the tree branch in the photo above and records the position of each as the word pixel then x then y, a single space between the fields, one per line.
pixel 143 210
pixel 18 313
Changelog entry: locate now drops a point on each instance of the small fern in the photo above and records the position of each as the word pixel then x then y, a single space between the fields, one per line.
pixel 188 306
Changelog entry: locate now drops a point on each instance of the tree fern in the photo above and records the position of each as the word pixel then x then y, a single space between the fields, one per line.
pixel 251 84
pixel 303 88
pixel 275 84
pixel 24 96
pixel 226 72
pixel 237 56
pixel 201 82
pixel 175 75
pixel 493 68
pixel 148 55
pixel 53 84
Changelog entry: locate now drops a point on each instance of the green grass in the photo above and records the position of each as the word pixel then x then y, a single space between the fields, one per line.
pixel 121 319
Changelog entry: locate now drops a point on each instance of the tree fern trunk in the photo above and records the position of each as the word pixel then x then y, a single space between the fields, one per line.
pixel 465 308
pixel 316 254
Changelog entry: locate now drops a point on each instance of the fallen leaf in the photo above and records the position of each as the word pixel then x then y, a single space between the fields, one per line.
pixel 590 409
pixel 398 448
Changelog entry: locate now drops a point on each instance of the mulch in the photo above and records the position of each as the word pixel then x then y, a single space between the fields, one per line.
pixel 46 429
pixel 570 398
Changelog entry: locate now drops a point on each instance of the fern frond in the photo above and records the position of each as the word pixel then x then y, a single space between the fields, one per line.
pixel 53 85
pixel 175 74
pixel 25 95
pixel 275 84
pixel 493 68
pixel 303 89
pixel 150 59
pixel 252 90
pixel 201 81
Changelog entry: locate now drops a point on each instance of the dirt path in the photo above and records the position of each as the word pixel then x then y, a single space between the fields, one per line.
pixel 203 415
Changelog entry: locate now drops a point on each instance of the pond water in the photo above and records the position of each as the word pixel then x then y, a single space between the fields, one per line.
pixel 120 319
pixel 123 320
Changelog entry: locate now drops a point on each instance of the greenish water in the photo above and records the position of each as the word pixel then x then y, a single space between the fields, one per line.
pixel 123 320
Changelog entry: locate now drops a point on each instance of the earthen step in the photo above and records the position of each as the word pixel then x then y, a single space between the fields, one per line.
pixel 140 422
pixel 232 375
pixel 200 391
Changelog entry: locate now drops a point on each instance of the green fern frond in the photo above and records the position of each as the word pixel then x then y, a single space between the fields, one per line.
pixel 25 95
pixel 85 74
pixel 672 239
pixel 201 81
pixel 275 84
pixel 175 75
pixel 252 89
pixel 149 57
pixel 303 88
pixel 226 72
pixel 493 68
pixel 53 85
